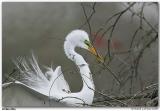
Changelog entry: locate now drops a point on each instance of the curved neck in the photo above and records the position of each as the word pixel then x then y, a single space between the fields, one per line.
pixel 84 71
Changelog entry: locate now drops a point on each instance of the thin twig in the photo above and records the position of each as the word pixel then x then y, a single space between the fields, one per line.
pixel 13 71
pixel 88 18
pixel 139 92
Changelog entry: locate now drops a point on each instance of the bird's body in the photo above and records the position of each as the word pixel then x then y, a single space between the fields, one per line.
pixel 52 83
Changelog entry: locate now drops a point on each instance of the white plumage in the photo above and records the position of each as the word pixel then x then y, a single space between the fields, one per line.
pixel 52 83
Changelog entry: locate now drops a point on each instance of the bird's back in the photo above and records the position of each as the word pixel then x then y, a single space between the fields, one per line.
pixel 34 89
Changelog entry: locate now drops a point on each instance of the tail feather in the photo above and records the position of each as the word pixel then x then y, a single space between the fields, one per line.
pixel 31 74
pixel 35 65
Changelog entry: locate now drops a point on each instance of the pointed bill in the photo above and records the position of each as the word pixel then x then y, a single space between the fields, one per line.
pixel 94 52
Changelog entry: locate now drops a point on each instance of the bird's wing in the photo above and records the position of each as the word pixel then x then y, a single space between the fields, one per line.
pixel 33 77
pixel 20 84
pixel 17 94
pixel 59 80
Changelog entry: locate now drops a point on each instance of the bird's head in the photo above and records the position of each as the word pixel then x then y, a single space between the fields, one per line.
pixel 80 38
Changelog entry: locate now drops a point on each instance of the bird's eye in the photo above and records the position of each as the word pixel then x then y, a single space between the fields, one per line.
pixel 87 42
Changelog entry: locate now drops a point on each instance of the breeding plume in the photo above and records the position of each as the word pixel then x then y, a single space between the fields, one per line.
pixel 52 84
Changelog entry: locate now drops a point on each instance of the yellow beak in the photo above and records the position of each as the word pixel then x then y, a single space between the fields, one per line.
pixel 94 52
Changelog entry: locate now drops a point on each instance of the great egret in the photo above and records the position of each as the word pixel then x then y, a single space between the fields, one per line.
pixel 52 83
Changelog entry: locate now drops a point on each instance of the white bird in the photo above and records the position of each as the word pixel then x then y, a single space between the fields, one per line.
pixel 52 84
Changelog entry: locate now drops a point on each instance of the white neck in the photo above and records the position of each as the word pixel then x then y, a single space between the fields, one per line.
pixel 86 93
